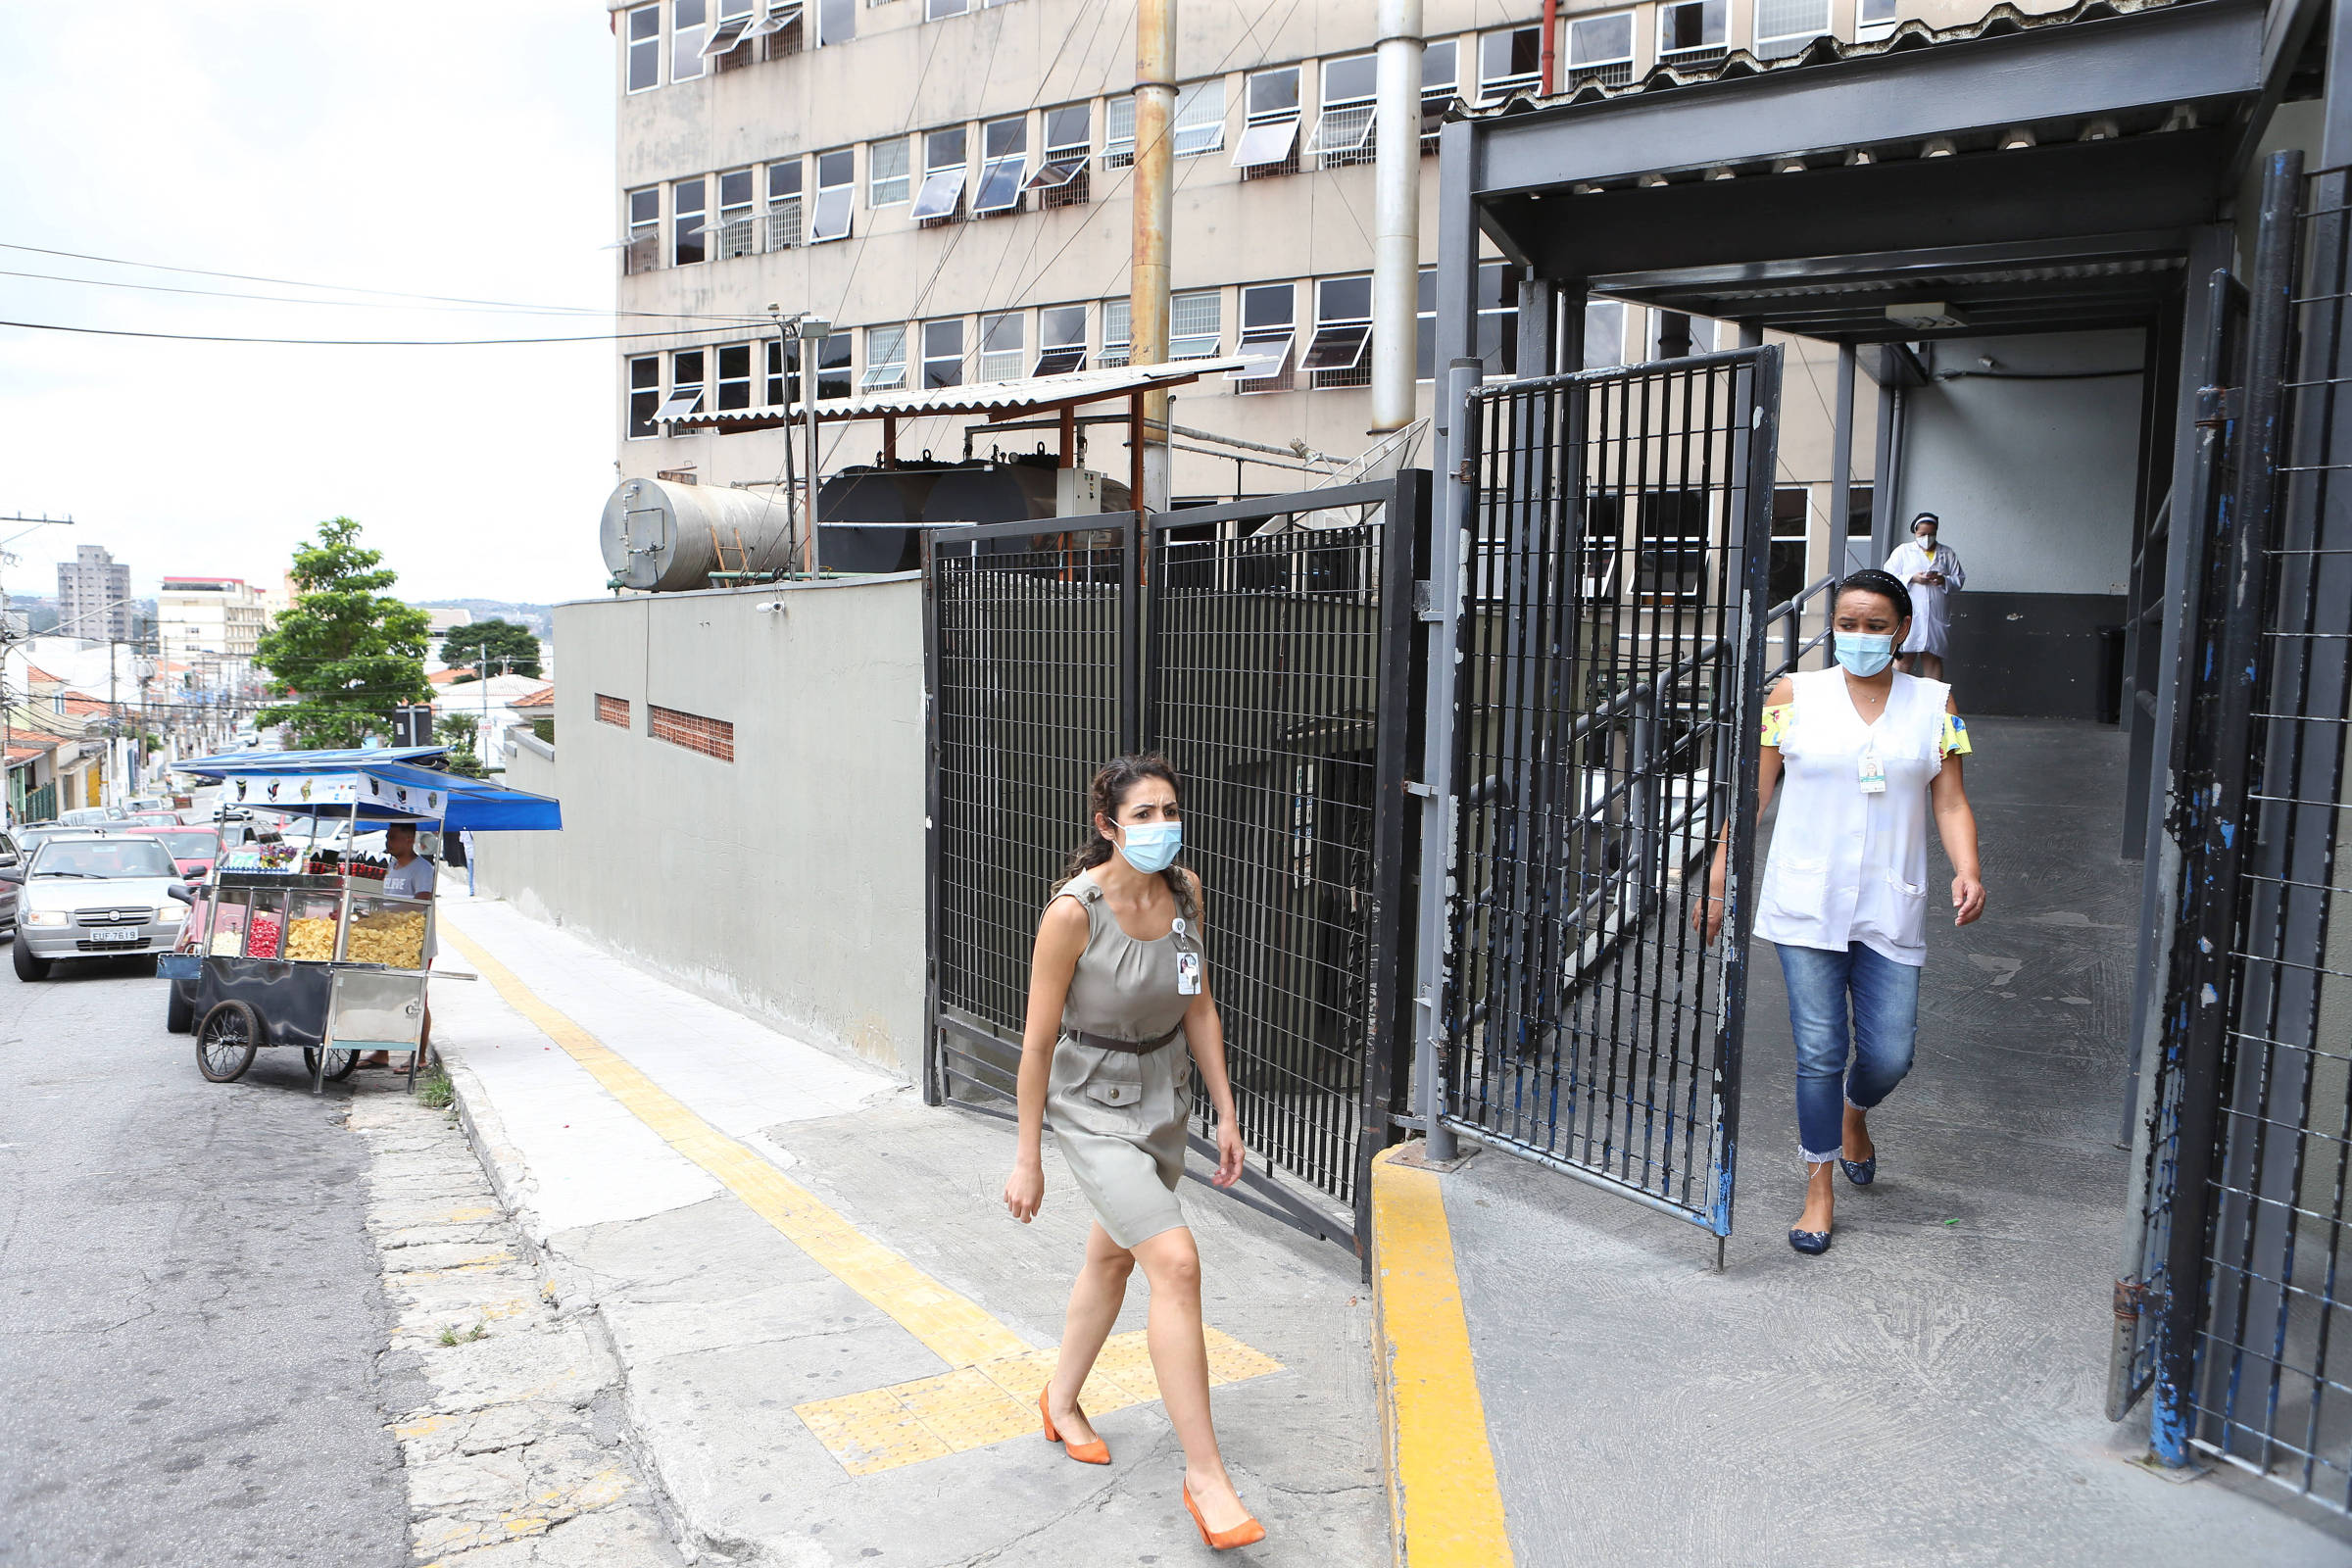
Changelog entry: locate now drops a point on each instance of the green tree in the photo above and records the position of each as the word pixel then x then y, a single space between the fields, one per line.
pixel 459 732
pixel 493 646
pixel 346 652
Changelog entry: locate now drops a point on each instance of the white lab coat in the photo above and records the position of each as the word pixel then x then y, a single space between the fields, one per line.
pixel 1931 617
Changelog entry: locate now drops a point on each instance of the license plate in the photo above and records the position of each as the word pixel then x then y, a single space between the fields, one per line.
pixel 116 938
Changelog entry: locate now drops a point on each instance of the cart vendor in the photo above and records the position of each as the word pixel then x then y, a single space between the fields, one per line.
pixel 410 877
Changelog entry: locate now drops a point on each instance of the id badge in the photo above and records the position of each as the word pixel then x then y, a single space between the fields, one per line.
pixel 1188 973
pixel 1873 774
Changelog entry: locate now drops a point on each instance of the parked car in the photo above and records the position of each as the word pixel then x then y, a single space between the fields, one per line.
pixel 194 850
pixel 91 817
pixel 158 819
pixel 94 897
pixel 33 838
pixel 12 858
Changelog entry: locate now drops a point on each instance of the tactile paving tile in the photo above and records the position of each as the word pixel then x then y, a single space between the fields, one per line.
pixel 995 1399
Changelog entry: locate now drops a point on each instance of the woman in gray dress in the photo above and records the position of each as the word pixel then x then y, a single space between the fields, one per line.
pixel 1121 1015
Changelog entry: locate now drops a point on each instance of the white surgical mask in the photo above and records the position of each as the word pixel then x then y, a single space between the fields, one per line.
pixel 1862 652
pixel 1152 846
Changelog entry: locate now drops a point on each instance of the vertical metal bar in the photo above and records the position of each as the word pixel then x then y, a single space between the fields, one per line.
pixel 1841 482
pixel 1132 536
pixel 2202 1001
pixel 1447 589
pixel 934 1070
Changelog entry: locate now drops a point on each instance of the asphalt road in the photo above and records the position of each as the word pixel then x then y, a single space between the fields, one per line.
pixel 190 1320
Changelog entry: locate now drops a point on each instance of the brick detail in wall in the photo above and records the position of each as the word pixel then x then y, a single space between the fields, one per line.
pixel 712 737
pixel 612 709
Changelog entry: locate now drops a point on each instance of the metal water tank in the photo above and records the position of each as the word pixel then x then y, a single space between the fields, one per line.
pixel 665 537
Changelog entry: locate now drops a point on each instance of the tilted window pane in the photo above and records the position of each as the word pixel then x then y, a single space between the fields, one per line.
pixel 940 194
pixel 832 220
pixel 999 185
pixel 1265 145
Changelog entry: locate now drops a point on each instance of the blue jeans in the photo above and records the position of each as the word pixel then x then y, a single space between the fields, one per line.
pixel 1884 997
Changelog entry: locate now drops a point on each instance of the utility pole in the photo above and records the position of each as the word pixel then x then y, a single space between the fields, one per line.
pixel 1396 214
pixel 1154 195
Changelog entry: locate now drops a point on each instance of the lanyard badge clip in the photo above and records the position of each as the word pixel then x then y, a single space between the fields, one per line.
pixel 1873 773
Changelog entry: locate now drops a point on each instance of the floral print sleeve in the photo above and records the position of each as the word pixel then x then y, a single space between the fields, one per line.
pixel 1776 722
pixel 1954 740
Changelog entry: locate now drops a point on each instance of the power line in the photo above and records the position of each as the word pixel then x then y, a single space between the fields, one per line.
pixel 357 342
pixel 289 282
pixel 368 304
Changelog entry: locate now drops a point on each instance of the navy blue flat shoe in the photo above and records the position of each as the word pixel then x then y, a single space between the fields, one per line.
pixel 1812 1243
pixel 1861 1172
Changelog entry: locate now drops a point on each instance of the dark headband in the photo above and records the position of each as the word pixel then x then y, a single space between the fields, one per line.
pixel 1871 580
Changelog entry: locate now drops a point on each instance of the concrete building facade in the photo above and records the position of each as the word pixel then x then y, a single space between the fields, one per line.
pixel 946 182
pixel 212 625
pixel 93 596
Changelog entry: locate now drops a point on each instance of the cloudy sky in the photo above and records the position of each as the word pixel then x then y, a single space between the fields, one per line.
pixel 459 150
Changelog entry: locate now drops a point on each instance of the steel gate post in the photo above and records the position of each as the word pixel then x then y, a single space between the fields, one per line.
pixel 2204 998
pixel 934 1073
pixel 1136 690
pixel 1454 516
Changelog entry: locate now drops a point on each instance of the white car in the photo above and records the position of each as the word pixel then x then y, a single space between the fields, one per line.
pixel 87 897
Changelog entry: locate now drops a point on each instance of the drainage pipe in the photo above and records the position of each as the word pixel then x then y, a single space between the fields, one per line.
pixel 1396 215
pixel 1148 269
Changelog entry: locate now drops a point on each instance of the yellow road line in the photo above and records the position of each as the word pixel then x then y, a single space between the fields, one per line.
pixel 1442 1493
pixel 954 1328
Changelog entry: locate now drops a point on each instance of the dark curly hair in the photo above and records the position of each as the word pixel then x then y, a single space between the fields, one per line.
pixel 1871 580
pixel 1105 795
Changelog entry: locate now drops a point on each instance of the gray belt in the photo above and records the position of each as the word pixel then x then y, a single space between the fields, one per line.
pixel 1133 1048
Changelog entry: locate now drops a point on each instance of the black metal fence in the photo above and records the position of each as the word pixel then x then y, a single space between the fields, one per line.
pixel 1278 675
pixel 1031 648
pixel 1607 716
pixel 1266 647
pixel 2241 1311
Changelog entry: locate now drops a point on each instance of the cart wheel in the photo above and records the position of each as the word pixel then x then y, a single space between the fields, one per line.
pixel 225 1040
pixel 180 1007
pixel 339 1063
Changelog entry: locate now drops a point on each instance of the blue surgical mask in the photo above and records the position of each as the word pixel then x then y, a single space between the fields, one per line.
pixel 1865 653
pixel 1152 846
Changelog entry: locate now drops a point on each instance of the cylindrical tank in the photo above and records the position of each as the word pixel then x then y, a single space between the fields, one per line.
pixel 665 537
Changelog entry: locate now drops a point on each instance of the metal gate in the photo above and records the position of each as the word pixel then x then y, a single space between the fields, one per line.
pixel 1610 673
pixel 2235 1311
pixel 1266 647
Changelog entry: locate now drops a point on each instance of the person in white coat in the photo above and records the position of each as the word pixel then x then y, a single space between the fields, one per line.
pixel 1931 572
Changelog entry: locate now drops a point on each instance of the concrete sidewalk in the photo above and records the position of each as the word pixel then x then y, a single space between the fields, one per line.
pixel 1929 1391
pixel 830 1334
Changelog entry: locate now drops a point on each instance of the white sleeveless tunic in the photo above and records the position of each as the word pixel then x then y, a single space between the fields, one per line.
pixel 1847 867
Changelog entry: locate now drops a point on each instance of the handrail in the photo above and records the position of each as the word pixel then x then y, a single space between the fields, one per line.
pixel 1790 615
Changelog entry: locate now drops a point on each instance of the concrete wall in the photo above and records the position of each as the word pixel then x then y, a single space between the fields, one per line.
pixel 2035 480
pixel 789 882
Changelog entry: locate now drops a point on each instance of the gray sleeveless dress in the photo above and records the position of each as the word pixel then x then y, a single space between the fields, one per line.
pixel 1119 1117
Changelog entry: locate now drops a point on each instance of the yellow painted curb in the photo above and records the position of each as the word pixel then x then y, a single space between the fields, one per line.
pixel 1445 1504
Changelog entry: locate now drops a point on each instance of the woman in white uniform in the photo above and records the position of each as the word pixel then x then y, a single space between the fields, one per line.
pixel 1117 1022
pixel 1928 571
pixel 1867 754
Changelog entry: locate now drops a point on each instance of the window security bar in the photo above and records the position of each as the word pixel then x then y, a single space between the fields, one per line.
pixel 941 195
pixel 784 224
pixel 1342 130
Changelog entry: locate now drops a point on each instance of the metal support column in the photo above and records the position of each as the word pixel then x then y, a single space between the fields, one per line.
pixel 1842 463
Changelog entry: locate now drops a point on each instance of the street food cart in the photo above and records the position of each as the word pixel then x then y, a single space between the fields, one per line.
pixel 289 945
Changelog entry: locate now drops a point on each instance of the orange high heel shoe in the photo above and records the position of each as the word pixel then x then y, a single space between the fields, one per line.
pixel 1094 1453
pixel 1246 1533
